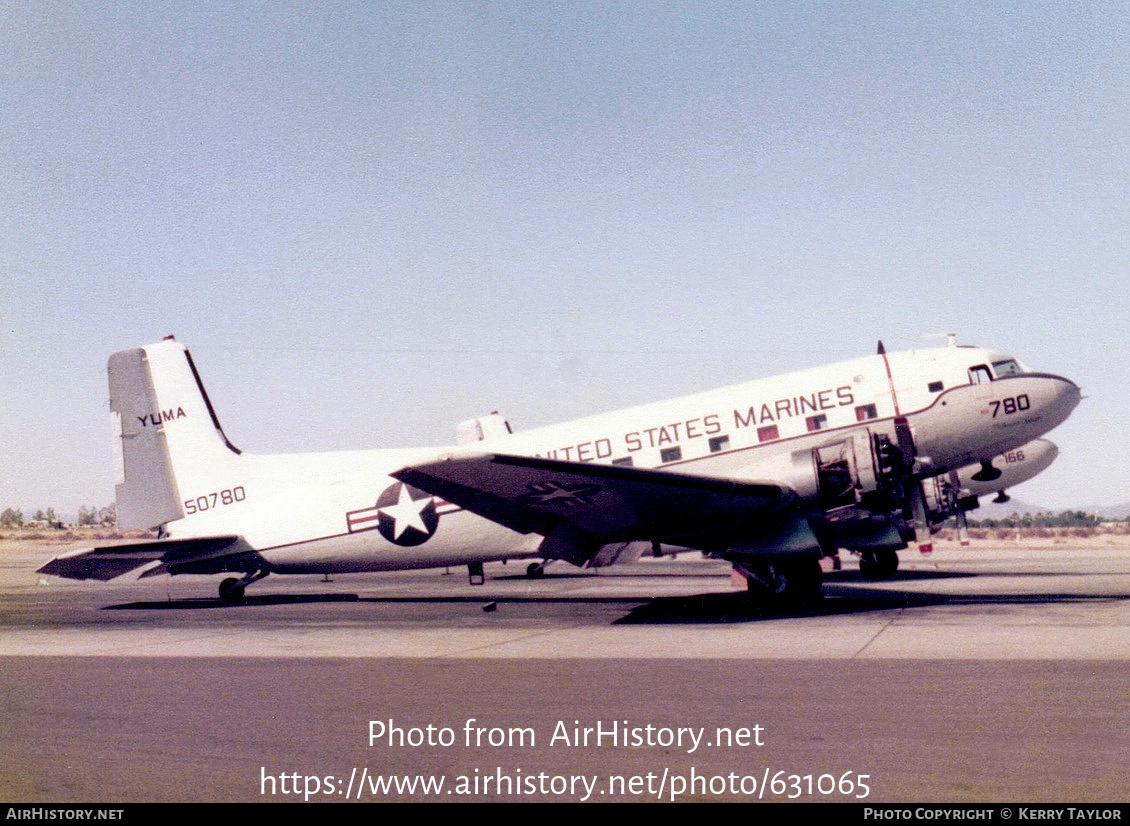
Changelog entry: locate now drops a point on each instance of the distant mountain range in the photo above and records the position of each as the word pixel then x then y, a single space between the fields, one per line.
pixel 991 510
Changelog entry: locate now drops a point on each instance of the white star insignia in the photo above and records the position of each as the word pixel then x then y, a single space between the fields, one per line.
pixel 554 493
pixel 407 513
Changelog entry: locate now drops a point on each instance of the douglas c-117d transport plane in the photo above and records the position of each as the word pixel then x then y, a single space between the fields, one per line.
pixel 771 475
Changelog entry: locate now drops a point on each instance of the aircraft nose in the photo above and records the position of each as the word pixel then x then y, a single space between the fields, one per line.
pixel 1062 397
pixel 1069 393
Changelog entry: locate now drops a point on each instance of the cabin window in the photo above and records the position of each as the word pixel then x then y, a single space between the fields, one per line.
pixel 865 412
pixel 670 454
pixel 719 443
pixel 819 422
pixel 935 387
pixel 768 433
pixel 625 462
pixel 980 375
pixel 1006 368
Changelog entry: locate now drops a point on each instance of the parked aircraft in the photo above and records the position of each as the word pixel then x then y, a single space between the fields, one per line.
pixel 770 475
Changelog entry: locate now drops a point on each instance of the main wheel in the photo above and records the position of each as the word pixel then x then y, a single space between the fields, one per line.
pixel 804 583
pixel 879 564
pixel 535 570
pixel 785 584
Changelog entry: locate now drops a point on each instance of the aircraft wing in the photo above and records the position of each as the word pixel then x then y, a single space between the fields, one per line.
pixel 586 505
pixel 200 555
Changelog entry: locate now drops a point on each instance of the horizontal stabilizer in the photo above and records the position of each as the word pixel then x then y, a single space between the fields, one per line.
pixel 205 554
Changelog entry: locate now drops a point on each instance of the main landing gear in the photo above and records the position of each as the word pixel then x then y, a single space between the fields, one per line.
pixel 783 583
pixel 232 589
pixel 880 564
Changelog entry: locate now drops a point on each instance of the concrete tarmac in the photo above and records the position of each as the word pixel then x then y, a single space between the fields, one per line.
pixel 996 674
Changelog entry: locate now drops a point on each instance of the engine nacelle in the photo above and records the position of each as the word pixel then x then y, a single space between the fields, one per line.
pixel 879 534
pixel 796 469
pixel 944 499
pixel 835 474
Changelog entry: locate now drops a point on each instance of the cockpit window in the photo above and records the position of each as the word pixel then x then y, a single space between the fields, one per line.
pixel 1006 368
pixel 980 375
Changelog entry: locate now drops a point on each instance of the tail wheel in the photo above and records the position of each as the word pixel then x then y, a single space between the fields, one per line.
pixel 231 590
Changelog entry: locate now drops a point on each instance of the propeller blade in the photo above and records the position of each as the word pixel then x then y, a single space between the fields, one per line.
pixel 959 511
pixel 914 495
pixel 905 440
pixel 921 526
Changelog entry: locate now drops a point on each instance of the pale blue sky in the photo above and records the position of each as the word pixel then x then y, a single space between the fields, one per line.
pixel 370 221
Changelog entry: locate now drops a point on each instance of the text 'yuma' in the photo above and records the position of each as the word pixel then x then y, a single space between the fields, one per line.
pixel 161 416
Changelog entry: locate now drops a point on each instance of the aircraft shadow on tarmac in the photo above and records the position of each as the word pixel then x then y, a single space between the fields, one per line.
pixel 197 603
pixel 249 602
pixel 838 601
pixel 838 576
pixel 845 593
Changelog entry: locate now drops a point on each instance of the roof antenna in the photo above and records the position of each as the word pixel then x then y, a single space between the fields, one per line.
pixel 882 350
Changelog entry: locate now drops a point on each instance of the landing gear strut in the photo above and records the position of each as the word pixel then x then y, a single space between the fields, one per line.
pixel 232 589
pixel 987 473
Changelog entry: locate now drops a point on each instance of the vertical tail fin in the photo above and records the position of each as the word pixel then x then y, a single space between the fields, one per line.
pixel 168 444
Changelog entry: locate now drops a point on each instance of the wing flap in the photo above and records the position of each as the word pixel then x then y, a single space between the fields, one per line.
pixel 175 556
pixel 606 503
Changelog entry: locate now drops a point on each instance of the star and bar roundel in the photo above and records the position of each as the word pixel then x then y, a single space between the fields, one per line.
pixel 409 516
pixel 555 493
pixel 403 514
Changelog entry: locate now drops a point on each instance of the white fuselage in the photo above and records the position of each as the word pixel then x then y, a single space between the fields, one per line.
pixel 322 512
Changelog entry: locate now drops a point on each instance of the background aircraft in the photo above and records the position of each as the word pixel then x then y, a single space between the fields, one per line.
pixel 771 475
